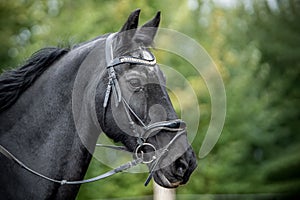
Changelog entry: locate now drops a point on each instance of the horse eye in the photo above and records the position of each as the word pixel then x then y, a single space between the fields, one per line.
pixel 136 83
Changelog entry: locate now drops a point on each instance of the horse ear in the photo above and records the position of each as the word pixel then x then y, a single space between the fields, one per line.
pixel 132 21
pixel 147 32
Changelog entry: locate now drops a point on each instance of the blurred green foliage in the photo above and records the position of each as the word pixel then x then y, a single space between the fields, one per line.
pixel 256 46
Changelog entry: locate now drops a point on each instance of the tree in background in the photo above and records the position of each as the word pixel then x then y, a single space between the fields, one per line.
pixel 257 48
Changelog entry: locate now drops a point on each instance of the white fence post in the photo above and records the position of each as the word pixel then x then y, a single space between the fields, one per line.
pixel 161 193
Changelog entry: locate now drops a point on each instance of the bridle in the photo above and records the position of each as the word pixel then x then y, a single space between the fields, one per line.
pixel 142 135
pixel 148 130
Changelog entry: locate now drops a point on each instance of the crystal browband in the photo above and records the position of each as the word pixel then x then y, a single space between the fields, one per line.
pixel 129 59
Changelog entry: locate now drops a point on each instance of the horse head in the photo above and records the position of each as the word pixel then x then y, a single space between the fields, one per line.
pixel 136 109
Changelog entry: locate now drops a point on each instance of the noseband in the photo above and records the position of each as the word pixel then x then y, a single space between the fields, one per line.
pixel 141 135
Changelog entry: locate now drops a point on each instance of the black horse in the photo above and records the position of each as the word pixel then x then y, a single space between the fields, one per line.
pixel 54 107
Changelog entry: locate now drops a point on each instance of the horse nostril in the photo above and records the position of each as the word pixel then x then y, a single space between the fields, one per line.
pixel 180 171
pixel 181 168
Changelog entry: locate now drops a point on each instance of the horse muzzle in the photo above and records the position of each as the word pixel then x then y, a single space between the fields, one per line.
pixel 177 173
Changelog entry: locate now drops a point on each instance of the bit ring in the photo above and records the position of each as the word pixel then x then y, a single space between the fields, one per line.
pixel 141 153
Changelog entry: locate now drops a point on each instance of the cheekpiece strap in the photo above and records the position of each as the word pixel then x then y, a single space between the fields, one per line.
pixel 113 84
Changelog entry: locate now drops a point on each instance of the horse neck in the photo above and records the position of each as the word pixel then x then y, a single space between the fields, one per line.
pixel 39 128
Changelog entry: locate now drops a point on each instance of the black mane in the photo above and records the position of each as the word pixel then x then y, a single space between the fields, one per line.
pixel 14 82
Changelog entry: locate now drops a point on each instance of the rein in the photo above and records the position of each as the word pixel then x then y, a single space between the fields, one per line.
pixel 147 131
pixel 121 168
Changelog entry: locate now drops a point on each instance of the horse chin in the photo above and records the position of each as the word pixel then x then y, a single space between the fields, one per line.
pixel 163 181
